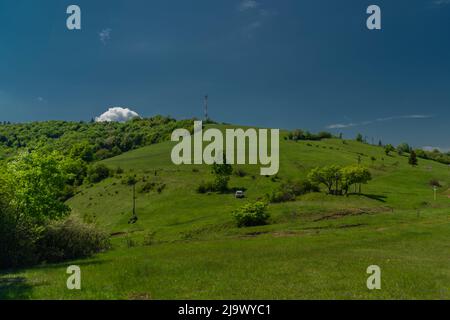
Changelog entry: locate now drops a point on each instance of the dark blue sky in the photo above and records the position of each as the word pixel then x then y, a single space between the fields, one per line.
pixel 286 63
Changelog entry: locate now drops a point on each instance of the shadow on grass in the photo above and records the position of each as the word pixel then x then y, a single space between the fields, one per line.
pixel 14 288
pixel 233 190
pixel 19 288
pixel 65 264
pixel 375 197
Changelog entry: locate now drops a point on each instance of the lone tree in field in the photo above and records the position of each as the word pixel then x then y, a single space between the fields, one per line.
pixel 413 158
pixel 388 149
pixel 355 175
pixel 359 137
pixel 222 172
pixel 403 148
pixel 339 180
pixel 330 176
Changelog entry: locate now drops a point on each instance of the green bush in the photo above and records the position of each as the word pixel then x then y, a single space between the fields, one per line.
pixel 119 170
pixel 129 180
pixel 435 183
pixel 222 172
pixel 279 196
pixel 206 187
pixel 252 214
pixel 160 187
pixel 150 186
pixel 240 172
pixel 97 173
pixel 17 239
pixel 70 239
pixel 288 191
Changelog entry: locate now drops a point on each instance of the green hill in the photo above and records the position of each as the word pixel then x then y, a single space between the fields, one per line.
pixel 186 245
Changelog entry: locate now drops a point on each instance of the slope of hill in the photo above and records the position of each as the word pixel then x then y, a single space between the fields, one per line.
pixel 185 244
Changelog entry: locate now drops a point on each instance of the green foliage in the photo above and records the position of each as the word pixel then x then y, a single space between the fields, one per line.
pixel 388 149
pixel 319 227
pixel 251 214
pixel 222 173
pixel 36 182
pixel 239 172
pixel 221 183
pixel 403 148
pixel 354 175
pixel 412 160
pixel 328 176
pixel 83 151
pixel 205 187
pixel 152 186
pixel 129 180
pixel 435 155
pixel 97 173
pixel 18 237
pixel 70 239
pixel 88 141
pixel 359 137
pixel 76 170
pixel 435 183
pixel 338 180
pixel 33 188
pixel 299 134
pixel 288 191
pixel 119 170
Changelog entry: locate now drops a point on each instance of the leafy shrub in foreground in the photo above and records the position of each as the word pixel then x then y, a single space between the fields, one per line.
pixel 17 239
pixel 252 214
pixel 71 239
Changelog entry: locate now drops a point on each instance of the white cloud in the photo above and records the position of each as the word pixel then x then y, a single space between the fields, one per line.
pixel 256 15
pixel 247 4
pixel 364 123
pixel 117 114
pixel 105 35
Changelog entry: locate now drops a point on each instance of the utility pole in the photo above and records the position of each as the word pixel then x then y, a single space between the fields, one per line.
pixel 134 217
pixel 206 108
pixel 134 199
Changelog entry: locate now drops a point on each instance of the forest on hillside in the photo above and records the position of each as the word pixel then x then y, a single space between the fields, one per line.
pixel 90 141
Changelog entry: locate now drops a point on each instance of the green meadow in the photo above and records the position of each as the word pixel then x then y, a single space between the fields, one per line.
pixel 185 245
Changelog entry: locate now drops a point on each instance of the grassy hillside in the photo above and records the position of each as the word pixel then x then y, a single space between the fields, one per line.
pixel 185 244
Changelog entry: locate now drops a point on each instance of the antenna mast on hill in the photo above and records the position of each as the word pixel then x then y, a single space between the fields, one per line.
pixel 206 108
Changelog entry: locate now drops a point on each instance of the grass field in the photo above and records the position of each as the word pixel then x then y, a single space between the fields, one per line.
pixel 318 246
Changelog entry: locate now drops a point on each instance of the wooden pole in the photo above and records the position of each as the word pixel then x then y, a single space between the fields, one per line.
pixel 134 200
